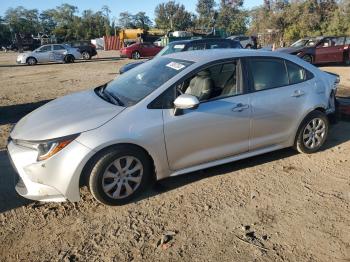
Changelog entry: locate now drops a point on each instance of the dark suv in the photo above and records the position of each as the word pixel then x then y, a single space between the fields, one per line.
pixel 86 48
pixel 325 50
pixel 188 45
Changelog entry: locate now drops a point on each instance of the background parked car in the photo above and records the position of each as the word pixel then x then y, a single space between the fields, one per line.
pixel 49 53
pixel 327 49
pixel 246 41
pixel 138 50
pixel 86 48
pixel 188 45
pixel 299 45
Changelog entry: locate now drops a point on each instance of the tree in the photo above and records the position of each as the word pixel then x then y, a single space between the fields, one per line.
pixel 126 20
pixel 141 20
pixel 106 11
pixel 205 10
pixel 172 16
pixel 231 18
pixel 21 20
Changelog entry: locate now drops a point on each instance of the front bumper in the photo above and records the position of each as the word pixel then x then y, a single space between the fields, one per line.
pixel 55 179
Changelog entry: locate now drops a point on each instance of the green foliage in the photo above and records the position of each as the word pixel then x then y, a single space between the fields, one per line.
pixel 231 17
pixel 173 16
pixel 302 18
pixel 206 11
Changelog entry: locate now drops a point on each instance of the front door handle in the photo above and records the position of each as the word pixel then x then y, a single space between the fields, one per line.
pixel 298 93
pixel 240 107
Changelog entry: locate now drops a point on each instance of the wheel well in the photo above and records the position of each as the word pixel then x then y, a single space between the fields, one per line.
pixel 31 57
pixel 89 164
pixel 320 109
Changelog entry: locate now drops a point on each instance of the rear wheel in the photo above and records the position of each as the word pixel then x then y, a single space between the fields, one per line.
pixel 347 59
pixel 120 174
pixel 312 133
pixel 31 61
pixel 86 55
pixel 136 55
pixel 308 58
pixel 69 59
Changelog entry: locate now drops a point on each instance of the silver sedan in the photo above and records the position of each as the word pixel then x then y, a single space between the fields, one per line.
pixel 170 116
pixel 49 53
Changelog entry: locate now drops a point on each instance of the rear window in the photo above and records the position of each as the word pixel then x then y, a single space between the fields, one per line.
pixel 216 45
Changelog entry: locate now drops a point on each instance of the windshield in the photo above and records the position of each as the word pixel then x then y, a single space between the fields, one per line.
pixel 136 84
pixel 300 43
pixel 171 48
pixel 304 42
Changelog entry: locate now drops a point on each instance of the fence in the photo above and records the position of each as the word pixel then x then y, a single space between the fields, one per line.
pixel 112 43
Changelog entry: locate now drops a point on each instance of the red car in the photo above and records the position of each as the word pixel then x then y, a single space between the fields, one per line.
pixel 321 49
pixel 328 49
pixel 138 50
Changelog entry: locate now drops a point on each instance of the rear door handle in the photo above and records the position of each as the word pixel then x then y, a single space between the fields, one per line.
pixel 240 107
pixel 298 93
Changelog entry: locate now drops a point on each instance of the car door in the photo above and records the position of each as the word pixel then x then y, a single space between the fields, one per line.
pixel 339 49
pixel 43 53
pixel 58 53
pixel 277 100
pixel 146 50
pixel 218 128
pixel 325 51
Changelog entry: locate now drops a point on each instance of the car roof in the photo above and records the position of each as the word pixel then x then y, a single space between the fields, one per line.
pixel 202 40
pixel 204 56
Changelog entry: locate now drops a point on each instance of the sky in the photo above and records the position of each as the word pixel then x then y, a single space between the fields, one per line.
pixel 116 6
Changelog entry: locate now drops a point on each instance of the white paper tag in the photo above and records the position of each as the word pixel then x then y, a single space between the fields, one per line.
pixel 176 66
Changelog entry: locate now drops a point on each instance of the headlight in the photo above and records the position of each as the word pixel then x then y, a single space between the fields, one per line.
pixel 48 148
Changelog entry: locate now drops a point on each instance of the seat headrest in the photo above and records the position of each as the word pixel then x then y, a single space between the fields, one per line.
pixel 203 73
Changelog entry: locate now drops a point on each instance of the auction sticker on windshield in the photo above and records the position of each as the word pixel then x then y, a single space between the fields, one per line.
pixel 176 66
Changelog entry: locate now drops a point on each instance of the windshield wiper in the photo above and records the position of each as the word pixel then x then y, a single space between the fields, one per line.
pixel 111 97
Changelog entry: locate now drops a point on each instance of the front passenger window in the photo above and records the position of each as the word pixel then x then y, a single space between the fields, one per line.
pixel 218 81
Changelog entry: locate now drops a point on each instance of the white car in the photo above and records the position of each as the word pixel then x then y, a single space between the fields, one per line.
pixel 49 53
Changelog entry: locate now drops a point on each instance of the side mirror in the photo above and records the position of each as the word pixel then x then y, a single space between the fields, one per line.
pixel 185 101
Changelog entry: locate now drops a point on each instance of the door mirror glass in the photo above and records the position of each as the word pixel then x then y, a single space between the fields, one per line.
pixel 186 101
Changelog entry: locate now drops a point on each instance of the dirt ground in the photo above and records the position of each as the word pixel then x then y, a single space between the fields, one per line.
pixel 280 206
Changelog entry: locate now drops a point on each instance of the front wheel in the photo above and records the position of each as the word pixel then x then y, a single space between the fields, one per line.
pixel 136 55
pixel 307 58
pixel 119 175
pixel 312 133
pixel 32 61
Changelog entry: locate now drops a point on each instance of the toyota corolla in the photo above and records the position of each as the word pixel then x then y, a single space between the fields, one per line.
pixel 169 116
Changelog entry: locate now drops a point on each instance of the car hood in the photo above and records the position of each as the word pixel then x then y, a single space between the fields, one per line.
pixel 65 116
pixel 289 50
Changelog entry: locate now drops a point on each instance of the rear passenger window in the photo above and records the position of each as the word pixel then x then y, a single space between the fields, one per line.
pixel 296 73
pixel 339 41
pixel 347 40
pixel 268 73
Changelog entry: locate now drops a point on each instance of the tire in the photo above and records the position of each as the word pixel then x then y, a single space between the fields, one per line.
pixel 347 59
pixel 312 133
pixel 108 182
pixel 31 61
pixel 86 55
pixel 308 58
pixel 136 55
pixel 248 46
pixel 69 59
